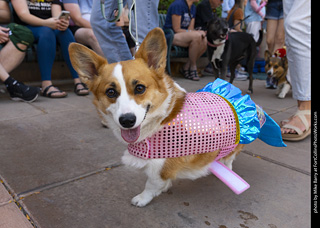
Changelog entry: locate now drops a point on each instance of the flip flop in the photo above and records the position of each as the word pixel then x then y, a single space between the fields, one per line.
pixel 299 135
pixel 194 75
pixel 185 73
pixel 78 91
pixel 45 92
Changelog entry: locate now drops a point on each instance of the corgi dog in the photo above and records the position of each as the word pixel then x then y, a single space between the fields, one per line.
pixel 137 98
pixel 277 67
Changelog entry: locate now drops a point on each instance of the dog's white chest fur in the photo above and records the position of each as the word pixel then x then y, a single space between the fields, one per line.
pixel 217 55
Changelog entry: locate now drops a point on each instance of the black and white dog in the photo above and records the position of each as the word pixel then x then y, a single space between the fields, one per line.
pixel 229 49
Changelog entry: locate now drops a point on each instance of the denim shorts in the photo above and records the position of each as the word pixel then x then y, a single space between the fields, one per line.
pixel 274 10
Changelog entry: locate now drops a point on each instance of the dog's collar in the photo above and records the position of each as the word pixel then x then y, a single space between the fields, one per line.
pixel 217 45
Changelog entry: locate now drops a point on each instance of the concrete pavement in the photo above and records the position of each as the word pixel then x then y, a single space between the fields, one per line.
pixel 63 169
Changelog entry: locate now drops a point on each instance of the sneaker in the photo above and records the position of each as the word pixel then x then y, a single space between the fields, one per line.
pixel 241 76
pixel 242 70
pixel 20 92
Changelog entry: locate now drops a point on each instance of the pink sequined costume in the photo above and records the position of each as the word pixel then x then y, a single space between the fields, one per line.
pixel 206 123
pixel 216 117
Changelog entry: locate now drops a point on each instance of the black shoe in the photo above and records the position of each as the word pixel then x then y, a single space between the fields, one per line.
pixel 20 92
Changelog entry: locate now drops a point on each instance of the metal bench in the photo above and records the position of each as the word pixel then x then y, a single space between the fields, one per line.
pixel 173 51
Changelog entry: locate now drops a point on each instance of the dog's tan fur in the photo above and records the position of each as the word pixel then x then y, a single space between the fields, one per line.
pixel 162 92
pixel 280 66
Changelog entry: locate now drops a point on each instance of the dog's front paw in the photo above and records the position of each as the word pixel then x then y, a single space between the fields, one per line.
pixel 141 200
pixel 249 91
pixel 282 95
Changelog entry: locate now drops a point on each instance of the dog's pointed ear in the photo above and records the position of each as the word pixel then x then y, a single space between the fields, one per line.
pixel 284 61
pixel 86 62
pixel 153 50
pixel 267 55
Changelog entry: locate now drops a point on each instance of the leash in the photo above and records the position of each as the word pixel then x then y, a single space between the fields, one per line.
pixel 260 7
pixel 136 40
pixel 217 45
pixel 120 7
pixel 240 22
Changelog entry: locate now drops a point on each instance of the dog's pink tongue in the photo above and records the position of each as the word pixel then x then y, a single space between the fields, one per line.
pixel 130 135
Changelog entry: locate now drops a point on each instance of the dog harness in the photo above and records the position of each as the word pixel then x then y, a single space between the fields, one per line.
pixel 216 117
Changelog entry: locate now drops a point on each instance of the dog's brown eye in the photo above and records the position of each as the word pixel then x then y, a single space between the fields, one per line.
pixel 111 93
pixel 139 89
pixel 275 66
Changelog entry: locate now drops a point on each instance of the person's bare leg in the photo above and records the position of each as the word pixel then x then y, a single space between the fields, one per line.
pixel 11 57
pixel 271 33
pixel 275 34
pixel 196 49
pixel 3 73
pixel 183 40
pixel 85 36
pixel 195 41
pixel 279 36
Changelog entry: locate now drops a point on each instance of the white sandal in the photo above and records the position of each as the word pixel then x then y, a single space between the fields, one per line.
pixel 299 135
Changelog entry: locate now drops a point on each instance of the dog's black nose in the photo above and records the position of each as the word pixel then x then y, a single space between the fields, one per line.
pixel 127 120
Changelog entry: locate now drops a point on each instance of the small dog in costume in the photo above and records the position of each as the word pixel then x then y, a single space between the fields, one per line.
pixel 170 133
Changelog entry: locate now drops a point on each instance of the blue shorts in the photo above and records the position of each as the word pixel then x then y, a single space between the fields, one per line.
pixel 274 10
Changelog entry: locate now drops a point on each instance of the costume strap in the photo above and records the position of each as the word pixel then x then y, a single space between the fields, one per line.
pixel 230 178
